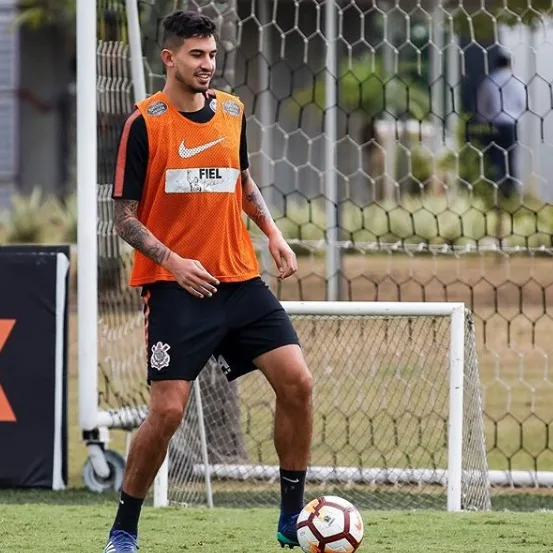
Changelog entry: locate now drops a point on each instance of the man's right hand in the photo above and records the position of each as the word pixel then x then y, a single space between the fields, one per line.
pixel 192 276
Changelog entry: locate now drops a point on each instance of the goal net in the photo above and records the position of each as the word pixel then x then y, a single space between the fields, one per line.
pixel 363 140
pixel 122 388
pixel 387 418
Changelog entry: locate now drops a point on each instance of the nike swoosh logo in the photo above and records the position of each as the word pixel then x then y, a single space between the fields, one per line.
pixel 185 152
pixel 296 481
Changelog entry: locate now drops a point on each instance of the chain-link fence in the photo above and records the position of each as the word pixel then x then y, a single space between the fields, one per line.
pixel 405 148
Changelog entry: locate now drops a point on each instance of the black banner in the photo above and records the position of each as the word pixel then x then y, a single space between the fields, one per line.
pixel 33 367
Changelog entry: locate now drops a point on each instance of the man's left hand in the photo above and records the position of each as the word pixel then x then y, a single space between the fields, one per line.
pixel 284 256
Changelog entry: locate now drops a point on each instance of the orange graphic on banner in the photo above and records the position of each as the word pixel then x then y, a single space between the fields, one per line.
pixel 6 411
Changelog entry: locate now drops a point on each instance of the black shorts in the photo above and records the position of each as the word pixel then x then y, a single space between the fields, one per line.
pixel 237 324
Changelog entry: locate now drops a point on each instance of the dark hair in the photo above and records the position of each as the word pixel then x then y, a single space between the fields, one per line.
pixel 180 25
pixel 503 60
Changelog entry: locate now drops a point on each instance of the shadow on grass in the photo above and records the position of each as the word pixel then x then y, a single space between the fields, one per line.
pixel 71 496
pixel 523 501
pixel 81 496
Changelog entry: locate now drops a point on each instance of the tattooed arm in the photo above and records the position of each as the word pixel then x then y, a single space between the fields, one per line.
pixel 189 273
pixel 255 207
pixel 130 229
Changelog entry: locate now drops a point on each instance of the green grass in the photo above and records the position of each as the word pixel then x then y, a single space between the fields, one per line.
pixel 76 520
pixel 56 522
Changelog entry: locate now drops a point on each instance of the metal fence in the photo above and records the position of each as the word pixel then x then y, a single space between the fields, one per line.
pixel 367 139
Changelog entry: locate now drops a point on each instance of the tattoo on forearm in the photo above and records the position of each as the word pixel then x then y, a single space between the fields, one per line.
pixel 254 204
pixel 135 233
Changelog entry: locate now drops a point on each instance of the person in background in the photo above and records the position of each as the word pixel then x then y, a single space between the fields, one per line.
pixel 501 101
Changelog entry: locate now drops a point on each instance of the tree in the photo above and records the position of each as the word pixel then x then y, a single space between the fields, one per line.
pixel 481 22
pixel 37 13
pixel 365 89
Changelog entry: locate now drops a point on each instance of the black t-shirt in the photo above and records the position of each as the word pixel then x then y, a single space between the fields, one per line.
pixel 137 150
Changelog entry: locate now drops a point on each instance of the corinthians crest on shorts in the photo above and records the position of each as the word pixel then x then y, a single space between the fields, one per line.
pixel 160 358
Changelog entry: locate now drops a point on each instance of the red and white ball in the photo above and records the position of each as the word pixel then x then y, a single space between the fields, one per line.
pixel 330 524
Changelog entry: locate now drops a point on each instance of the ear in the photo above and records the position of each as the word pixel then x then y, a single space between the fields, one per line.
pixel 167 57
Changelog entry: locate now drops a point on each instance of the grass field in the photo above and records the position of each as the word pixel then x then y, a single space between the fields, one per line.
pixel 33 523
pixel 513 333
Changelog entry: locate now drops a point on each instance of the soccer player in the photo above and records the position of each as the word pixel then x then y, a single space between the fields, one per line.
pixel 181 184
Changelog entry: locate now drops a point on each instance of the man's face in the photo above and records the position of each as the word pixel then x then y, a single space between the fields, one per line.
pixel 193 64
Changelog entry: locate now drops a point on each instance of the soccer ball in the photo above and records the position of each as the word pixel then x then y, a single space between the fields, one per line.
pixel 330 524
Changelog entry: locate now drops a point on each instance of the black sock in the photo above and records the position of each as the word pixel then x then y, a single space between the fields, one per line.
pixel 128 514
pixel 292 484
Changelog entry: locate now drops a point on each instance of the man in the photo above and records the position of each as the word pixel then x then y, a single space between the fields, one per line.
pixel 181 184
pixel 500 102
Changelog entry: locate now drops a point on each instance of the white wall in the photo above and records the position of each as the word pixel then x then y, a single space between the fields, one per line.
pixel 9 69
pixel 532 52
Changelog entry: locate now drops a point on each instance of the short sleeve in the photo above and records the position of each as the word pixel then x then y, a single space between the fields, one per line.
pixel 132 159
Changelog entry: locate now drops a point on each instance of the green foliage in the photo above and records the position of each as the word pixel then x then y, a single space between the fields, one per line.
pixel 367 91
pixel 421 165
pixel 36 13
pixel 467 161
pixel 365 88
pixel 365 85
pixel 430 219
pixel 26 224
pixel 481 22
pixel 64 216
pixel 35 219
pixel 473 173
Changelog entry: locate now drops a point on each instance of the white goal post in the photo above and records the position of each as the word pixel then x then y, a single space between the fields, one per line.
pixel 455 474
pixel 463 472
